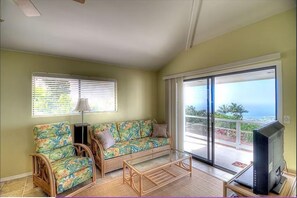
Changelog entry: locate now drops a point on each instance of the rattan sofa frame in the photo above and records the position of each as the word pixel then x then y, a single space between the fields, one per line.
pixel 108 165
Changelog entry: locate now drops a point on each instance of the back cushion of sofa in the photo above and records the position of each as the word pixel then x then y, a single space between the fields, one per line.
pixel 129 130
pixel 112 127
pixel 146 127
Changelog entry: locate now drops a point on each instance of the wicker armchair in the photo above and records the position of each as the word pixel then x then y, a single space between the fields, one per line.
pixel 58 164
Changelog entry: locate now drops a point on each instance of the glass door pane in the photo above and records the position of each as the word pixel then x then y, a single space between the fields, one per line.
pixel 198 139
pixel 243 102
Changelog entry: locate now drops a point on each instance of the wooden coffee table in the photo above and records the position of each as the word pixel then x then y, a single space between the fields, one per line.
pixel 150 172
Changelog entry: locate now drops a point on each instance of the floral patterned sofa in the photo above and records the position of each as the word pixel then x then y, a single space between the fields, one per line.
pixel 132 139
pixel 59 164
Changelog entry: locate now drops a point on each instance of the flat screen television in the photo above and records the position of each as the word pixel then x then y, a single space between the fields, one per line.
pixel 269 163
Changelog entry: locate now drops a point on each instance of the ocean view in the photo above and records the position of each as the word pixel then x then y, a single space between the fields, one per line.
pixel 257 97
pixel 255 111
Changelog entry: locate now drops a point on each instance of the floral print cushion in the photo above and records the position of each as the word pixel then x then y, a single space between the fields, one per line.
pixel 118 149
pixel 70 165
pixel 129 130
pixel 134 146
pixel 142 144
pixel 47 144
pixel 74 179
pixel 112 127
pixel 51 130
pixel 146 127
pixel 157 142
pixel 59 153
pixel 54 141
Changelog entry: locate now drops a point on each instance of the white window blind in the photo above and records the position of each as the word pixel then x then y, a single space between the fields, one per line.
pixel 101 94
pixel 58 95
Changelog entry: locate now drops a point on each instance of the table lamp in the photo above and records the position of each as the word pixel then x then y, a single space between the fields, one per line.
pixel 82 105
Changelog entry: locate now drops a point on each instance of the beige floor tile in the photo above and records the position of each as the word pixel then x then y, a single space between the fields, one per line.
pixel 14 185
pixel 29 186
pixel 20 180
pixel 17 193
pixel 30 179
pixel 35 192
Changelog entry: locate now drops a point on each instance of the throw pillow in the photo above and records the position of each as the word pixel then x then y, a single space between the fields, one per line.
pixel 106 139
pixel 159 130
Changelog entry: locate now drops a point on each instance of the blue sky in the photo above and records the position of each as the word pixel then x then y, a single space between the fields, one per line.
pixel 258 97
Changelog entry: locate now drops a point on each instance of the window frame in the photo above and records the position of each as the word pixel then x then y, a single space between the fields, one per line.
pixel 76 77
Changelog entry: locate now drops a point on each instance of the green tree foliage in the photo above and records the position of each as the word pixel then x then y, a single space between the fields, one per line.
pixel 51 99
pixel 191 111
pixel 224 109
pixel 231 111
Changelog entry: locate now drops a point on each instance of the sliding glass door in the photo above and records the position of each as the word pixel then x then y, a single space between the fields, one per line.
pixel 222 111
pixel 198 122
pixel 243 102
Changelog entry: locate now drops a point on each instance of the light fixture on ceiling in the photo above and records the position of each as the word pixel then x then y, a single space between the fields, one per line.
pixel 80 1
pixel 29 8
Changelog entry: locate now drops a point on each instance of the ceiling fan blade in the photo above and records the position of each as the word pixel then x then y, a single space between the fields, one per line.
pixel 80 1
pixel 27 7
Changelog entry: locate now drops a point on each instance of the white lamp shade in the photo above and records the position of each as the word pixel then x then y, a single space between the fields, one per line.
pixel 82 105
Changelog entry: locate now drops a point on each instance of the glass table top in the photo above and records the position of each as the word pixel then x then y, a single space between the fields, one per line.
pixel 148 162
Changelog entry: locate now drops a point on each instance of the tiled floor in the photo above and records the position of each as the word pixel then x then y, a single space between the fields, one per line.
pixel 23 187
pixel 195 145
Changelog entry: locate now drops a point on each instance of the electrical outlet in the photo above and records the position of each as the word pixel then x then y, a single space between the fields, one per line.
pixel 287 119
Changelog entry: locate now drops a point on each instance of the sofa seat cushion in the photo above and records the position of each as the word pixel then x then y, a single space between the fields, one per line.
pixel 157 142
pixel 141 144
pixel 101 127
pixel 67 166
pixel 129 130
pixel 74 179
pixel 118 149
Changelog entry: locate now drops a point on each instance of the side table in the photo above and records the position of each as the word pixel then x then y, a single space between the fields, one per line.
pixel 78 128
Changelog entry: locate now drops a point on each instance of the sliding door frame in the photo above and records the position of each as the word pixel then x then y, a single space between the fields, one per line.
pixel 276 65
pixel 251 67
pixel 210 132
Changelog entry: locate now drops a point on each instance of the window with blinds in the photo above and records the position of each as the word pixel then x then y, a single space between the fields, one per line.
pixel 58 94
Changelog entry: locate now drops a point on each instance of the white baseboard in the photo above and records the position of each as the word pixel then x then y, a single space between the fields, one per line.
pixel 4 179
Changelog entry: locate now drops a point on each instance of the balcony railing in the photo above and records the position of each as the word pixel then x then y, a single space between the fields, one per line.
pixel 234 133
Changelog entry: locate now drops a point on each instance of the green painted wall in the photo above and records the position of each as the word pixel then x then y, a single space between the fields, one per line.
pixel 275 34
pixel 137 96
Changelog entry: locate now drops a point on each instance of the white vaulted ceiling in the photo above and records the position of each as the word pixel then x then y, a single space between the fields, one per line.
pixel 143 34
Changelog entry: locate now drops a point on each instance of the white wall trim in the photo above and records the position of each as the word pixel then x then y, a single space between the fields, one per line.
pixel 219 69
pixel 4 179
pixel 279 90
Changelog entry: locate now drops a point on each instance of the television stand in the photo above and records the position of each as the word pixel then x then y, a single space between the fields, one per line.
pixel 278 188
pixel 288 189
